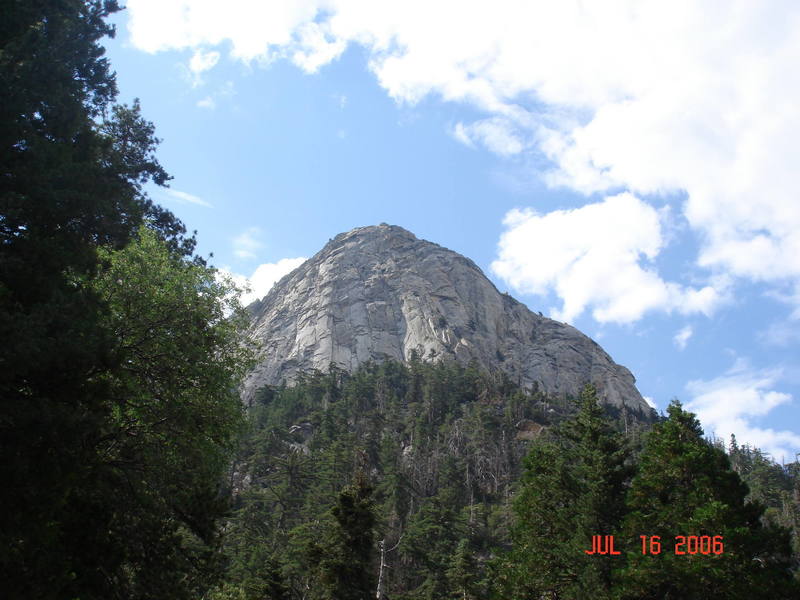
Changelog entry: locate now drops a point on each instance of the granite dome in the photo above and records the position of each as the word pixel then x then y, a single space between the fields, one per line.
pixel 379 292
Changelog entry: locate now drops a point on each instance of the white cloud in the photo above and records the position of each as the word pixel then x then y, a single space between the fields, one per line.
pixel 207 102
pixel 246 244
pixel 681 338
pixel 733 402
pixel 650 402
pixel 203 61
pixel 461 133
pixel 253 27
pixel 316 47
pixel 185 198
pixel 688 96
pixel 263 278
pixel 497 134
pixel 200 62
pixel 226 90
pixel 597 257
pixel 782 333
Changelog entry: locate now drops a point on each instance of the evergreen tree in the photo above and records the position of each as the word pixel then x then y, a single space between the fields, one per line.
pixel 430 542
pixel 767 481
pixel 346 559
pixel 443 468
pixel 571 489
pixel 462 572
pixel 72 174
pixel 685 487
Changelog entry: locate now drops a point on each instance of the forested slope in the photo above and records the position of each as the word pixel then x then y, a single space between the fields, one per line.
pixel 442 445
pixel 129 471
pixel 439 453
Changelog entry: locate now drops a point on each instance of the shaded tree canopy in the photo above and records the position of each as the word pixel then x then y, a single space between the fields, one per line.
pixel 468 505
pixel 93 431
pixel 685 486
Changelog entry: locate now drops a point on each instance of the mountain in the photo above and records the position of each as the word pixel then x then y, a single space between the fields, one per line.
pixel 379 292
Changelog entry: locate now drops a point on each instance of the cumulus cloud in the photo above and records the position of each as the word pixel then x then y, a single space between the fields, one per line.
pixel 203 61
pixel 681 338
pixel 200 62
pixel 246 244
pixel 497 134
pixel 253 27
pixel 185 197
pixel 733 402
pixel 597 257
pixel 263 278
pixel 690 96
pixel 316 47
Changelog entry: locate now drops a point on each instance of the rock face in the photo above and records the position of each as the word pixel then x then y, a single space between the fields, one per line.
pixel 379 292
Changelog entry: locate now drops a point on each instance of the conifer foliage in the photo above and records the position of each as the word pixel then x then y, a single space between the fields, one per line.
pixel 120 358
pixel 685 487
pixel 116 382
pixel 467 508
pixel 434 441
pixel 572 488
pixel 346 556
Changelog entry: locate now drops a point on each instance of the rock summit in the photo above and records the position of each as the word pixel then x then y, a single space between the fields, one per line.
pixel 379 292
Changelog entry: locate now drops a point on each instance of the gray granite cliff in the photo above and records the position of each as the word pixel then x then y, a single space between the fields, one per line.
pixel 379 292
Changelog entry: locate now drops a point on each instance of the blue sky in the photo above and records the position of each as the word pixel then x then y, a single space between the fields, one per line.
pixel 630 169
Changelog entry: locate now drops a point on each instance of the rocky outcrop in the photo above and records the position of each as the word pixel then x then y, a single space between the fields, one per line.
pixel 379 292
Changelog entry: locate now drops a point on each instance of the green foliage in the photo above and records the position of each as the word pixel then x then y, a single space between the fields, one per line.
pixel 685 486
pixel 461 572
pixel 73 169
pixel 226 591
pixel 346 553
pixel 441 445
pixel 180 352
pixel 169 422
pixel 583 481
pixel 118 367
pixel 120 361
pixel 430 543
pixel 572 488
pixel 438 442
pixel 769 483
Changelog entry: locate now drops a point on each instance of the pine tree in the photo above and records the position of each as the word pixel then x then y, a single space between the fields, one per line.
pixel 346 555
pixel 685 487
pixel 572 489
pixel 429 543
pixel 72 169
pixel 462 572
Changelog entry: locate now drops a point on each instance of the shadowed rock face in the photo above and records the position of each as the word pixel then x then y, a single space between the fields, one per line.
pixel 379 292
